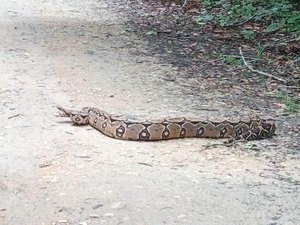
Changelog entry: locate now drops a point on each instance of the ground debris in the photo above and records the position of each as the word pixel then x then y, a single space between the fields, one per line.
pixel 118 205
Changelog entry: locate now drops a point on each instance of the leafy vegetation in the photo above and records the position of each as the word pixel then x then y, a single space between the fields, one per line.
pixel 151 32
pixel 276 15
pixel 231 60
pixel 290 104
pixel 247 34
pixel 260 51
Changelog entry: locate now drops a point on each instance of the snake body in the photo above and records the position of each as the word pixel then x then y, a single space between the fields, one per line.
pixel 166 129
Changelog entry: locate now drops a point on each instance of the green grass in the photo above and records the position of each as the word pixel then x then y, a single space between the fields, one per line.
pixel 275 15
pixel 247 34
pixel 260 51
pixel 231 60
pixel 290 104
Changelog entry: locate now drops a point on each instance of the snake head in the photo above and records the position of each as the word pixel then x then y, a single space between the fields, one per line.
pixel 267 128
pixel 269 125
pixel 77 117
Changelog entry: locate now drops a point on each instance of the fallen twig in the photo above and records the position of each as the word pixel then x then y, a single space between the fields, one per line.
pixel 294 61
pixel 250 18
pixel 145 164
pixel 260 72
pixel 13 116
pixel 242 22
pixel 46 164
pixel 4 91
pixel 239 57
pixel 293 87
pixel 184 3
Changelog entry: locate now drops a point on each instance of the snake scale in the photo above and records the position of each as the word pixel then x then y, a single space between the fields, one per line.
pixel 253 129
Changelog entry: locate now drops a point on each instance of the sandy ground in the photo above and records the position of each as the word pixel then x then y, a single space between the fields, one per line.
pixel 78 53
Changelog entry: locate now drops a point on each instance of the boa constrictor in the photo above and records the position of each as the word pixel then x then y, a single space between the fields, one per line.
pixel 166 129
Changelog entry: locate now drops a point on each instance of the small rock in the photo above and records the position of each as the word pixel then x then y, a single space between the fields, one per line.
pixel 118 205
pixel 84 223
pixel 181 216
pixel 109 214
pixel 53 180
pixel 80 155
pixel 125 219
pixel 97 206
pixel 94 216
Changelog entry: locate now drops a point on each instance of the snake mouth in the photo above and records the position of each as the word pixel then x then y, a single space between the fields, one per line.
pixel 63 112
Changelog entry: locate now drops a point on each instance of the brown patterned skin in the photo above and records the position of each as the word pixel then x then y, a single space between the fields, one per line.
pixel 166 129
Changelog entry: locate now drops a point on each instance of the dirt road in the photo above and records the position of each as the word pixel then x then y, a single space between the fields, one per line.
pixel 78 53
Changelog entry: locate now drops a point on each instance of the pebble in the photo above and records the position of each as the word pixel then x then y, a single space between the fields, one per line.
pixel 118 205
pixel 80 155
pixel 53 180
pixel 109 214
pixel 84 223
pixel 94 215
pixel 125 219
pixel 181 216
pixel 97 206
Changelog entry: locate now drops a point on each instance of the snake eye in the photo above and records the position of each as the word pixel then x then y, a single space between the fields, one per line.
pixel 267 126
pixel 77 119
pixel 80 118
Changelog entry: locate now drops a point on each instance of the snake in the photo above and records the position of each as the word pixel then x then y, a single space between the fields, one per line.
pixel 169 128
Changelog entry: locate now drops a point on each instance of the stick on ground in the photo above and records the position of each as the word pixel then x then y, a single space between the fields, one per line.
pixel 260 72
